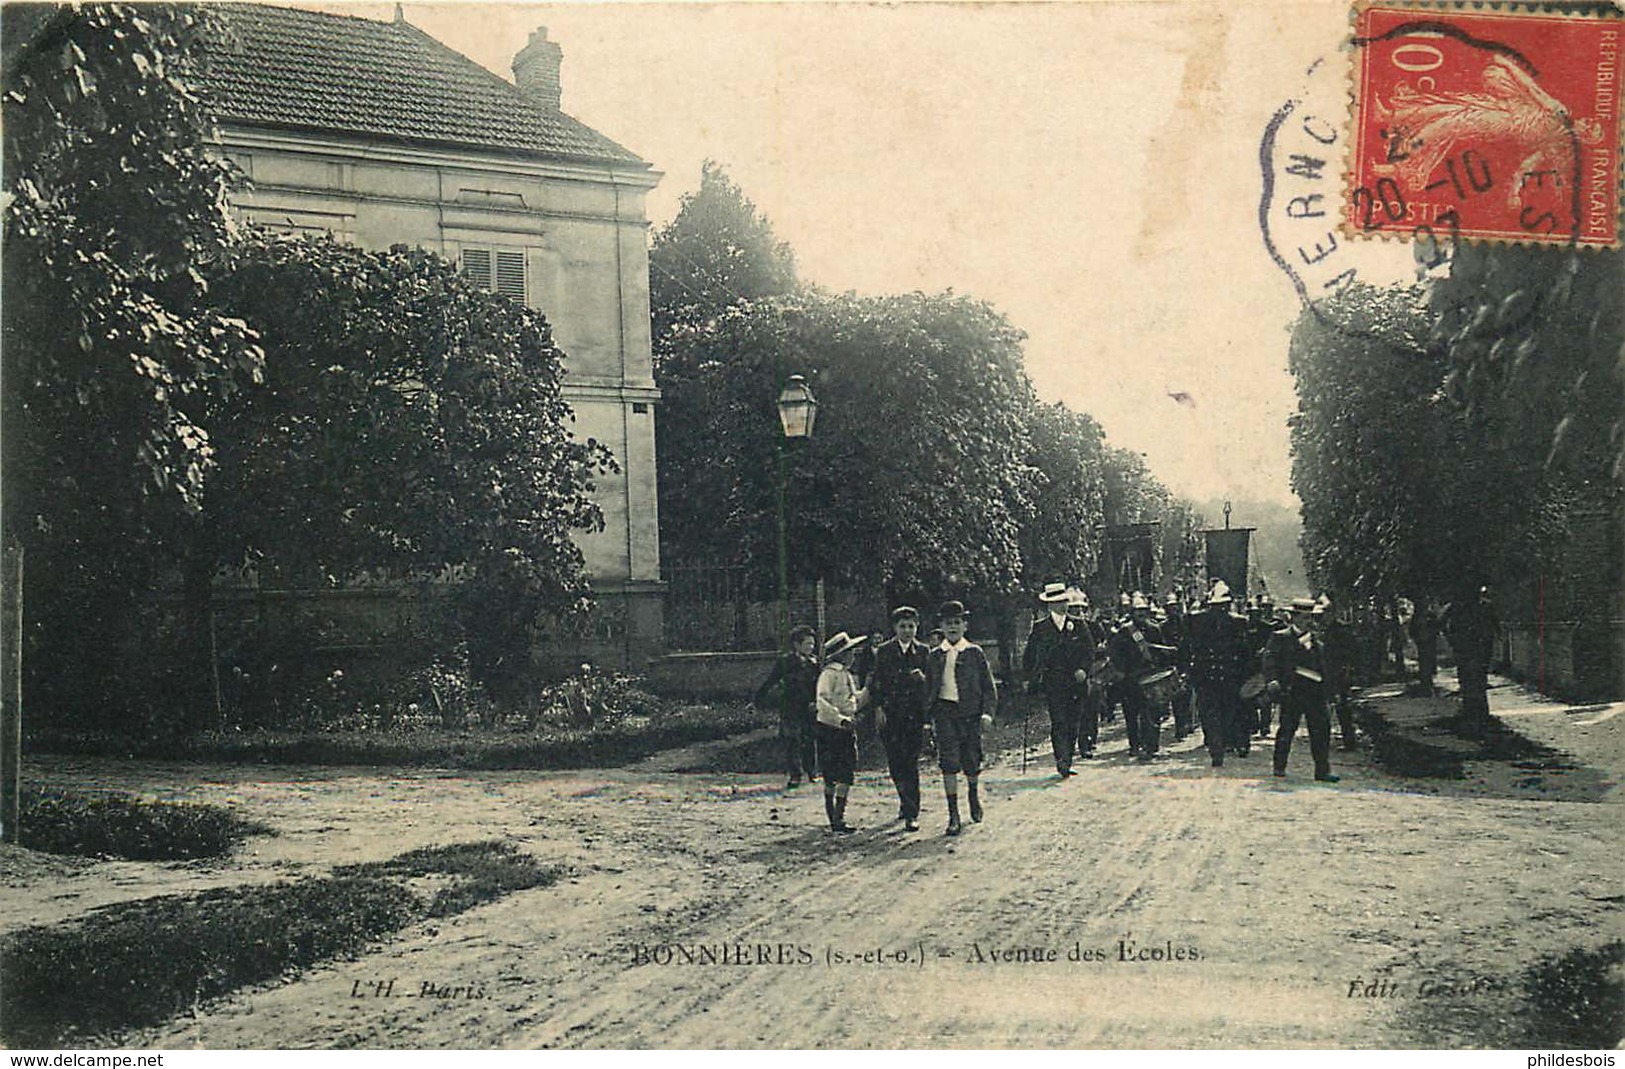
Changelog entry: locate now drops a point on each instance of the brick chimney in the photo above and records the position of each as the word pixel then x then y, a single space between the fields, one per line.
pixel 536 69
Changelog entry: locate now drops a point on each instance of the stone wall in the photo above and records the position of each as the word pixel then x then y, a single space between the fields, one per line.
pixel 1565 627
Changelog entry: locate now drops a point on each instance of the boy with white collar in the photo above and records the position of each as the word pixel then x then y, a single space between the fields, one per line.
pixel 963 696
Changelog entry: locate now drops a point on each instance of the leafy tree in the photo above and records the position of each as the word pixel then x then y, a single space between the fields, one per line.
pixel 1062 538
pixel 112 202
pixel 717 251
pixel 916 481
pixel 1131 494
pixel 1369 445
pixel 1533 340
pixel 410 421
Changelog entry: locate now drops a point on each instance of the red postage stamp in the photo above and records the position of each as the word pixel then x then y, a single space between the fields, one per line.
pixel 1488 124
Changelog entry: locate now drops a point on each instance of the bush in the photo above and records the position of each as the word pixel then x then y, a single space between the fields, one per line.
pixel 72 822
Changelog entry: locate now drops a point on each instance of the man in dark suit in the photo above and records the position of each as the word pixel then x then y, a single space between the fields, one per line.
pixel 1055 664
pixel 963 696
pixel 1295 665
pixel 1093 637
pixel 1217 656
pixel 1131 649
pixel 897 688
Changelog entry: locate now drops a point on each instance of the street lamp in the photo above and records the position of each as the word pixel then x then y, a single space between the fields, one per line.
pixel 798 408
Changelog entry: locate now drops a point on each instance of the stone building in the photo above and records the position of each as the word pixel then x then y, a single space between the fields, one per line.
pixel 379 134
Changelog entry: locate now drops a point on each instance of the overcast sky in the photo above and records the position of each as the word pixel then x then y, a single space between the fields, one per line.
pixel 1089 168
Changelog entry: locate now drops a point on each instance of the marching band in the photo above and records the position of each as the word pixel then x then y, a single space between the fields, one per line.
pixel 1192 660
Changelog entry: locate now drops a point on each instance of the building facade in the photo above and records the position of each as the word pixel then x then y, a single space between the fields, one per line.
pixel 378 134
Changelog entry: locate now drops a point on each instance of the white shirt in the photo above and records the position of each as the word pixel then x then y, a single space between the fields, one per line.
pixel 950 681
pixel 839 698
pixel 1058 621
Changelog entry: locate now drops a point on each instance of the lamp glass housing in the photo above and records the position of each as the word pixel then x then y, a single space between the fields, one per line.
pixel 798 408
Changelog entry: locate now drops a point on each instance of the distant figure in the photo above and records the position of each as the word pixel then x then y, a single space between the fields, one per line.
pixel 1094 693
pixel 1216 644
pixel 1471 625
pixel 1172 622
pixel 1135 662
pixel 1338 642
pixel 1425 633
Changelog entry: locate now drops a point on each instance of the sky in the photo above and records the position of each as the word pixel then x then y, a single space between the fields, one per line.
pixel 1090 169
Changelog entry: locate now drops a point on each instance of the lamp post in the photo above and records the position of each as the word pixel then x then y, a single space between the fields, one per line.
pixel 798 408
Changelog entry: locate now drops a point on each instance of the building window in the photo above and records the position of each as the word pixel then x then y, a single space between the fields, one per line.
pixel 499 270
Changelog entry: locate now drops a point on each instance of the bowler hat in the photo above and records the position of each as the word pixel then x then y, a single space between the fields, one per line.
pixel 952 610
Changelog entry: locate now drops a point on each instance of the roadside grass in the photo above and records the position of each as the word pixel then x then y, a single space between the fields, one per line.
pixel 484 871
pixel 99 825
pixel 606 743
pixel 1576 1001
pixel 139 963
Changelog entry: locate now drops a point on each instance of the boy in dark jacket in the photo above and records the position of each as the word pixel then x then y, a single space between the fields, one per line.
pixel 897 689
pixel 795 678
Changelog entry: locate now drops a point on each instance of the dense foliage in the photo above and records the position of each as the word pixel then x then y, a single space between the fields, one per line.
pixel 917 475
pixel 1445 442
pixel 1062 535
pixel 410 422
pixel 112 205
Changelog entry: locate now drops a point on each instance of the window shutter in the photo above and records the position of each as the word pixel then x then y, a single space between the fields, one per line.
pixel 510 274
pixel 477 262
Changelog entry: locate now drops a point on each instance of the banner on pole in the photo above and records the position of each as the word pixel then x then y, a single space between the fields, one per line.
pixel 1227 558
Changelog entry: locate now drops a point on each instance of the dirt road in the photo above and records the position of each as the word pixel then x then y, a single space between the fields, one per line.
pixel 1170 905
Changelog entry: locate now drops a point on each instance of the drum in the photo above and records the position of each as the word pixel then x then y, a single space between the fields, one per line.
pixel 1160 687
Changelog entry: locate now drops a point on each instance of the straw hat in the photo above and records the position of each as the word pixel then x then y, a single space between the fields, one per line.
pixel 840 642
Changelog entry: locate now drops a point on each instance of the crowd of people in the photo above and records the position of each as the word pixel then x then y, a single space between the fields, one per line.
pixel 1194 661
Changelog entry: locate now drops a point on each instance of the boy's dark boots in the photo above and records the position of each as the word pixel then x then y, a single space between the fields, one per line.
pixel 975 802
pixel 953 815
pixel 829 809
pixel 841 826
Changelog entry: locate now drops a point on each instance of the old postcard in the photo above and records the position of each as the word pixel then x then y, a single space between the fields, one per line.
pixel 1083 525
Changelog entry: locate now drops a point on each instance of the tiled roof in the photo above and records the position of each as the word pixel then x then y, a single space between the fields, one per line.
pixel 340 74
